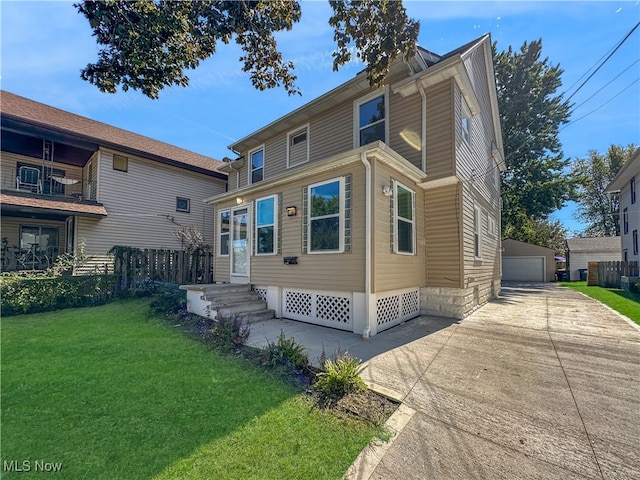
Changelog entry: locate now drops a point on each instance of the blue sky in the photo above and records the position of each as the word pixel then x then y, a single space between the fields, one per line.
pixel 45 44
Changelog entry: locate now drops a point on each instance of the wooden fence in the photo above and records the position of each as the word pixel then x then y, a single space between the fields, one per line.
pixel 610 273
pixel 134 266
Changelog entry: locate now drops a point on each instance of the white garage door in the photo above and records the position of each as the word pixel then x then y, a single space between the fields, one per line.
pixel 523 269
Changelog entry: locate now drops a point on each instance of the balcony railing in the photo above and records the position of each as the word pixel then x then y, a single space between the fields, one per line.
pixel 52 185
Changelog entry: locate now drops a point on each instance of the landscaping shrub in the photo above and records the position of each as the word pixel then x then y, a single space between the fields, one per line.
pixel 168 299
pixel 228 332
pixel 41 293
pixel 341 376
pixel 286 352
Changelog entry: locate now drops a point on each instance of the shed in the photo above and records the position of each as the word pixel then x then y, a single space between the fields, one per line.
pixel 526 262
pixel 581 251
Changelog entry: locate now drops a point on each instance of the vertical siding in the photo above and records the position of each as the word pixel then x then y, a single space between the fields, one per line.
pixel 394 271
pixel 443 232
pixel 440 141
pixel 342 271
pixel 141 206
pixel 405 120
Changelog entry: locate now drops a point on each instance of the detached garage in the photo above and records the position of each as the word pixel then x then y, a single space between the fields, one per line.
pixel 525 262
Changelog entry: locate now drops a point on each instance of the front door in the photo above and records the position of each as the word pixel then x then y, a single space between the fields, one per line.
pixel 240 245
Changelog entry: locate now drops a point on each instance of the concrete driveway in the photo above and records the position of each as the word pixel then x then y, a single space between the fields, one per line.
pixel 542 383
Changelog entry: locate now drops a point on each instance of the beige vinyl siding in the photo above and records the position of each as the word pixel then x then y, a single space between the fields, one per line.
pixel 90 178
pixel 405 117
pixel 10 162
pixel 443 236
pixel 11 229
pixel 141 206
pixel 333 272
pixel 440 140
pixel 391 270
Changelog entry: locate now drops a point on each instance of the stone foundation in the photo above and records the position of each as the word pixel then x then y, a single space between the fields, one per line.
pixel 456 302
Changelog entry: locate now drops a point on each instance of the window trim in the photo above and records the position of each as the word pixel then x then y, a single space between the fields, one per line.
pixel 625 221
pixel 397 218
pixel 274 225
pixel 634 242
pixel 341 217
pixel 183 199
pixel 465 127
pixel 250 168
pixel 356 114
pixel 632 188
pixel 290 136
pixel 477 232
pixel 221 233
pixel 126 162
pixel 491 225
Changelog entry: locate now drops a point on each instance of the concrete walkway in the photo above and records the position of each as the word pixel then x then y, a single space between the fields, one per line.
pixel 541 383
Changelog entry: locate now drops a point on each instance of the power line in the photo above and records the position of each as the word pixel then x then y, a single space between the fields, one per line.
pixel 607 84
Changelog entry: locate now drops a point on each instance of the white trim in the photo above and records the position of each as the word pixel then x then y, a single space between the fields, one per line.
pixel 396 217
pixel 477 231
pixel 383 92
pixel 240 277
pixel 295 133
pixel 219 232
pixel 341 218
pixel 275 225
pixel 491 225
pixel 250 164
pixel 465 133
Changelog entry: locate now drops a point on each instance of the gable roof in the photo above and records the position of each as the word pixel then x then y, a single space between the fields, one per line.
pixel 29 112
pixel 594 244
pixel 630 169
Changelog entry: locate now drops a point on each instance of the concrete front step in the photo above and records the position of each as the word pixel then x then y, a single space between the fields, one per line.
pixel 229 309
pixel 235 297
pixel 257 315
pixel 225 288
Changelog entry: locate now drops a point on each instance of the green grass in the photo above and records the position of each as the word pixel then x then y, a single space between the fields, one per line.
pixel 111 393
pixel 627 303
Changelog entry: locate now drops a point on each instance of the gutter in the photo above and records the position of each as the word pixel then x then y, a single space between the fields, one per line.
pixel 367 269
pixel 423 133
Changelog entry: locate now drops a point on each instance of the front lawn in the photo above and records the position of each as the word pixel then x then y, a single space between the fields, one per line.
pixel 109 393
pixel 627 303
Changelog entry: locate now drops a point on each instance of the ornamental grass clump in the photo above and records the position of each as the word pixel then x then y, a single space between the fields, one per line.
pixel 341 376
pixel 286 352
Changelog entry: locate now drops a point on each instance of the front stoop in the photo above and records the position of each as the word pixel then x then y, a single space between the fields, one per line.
pixel 228 299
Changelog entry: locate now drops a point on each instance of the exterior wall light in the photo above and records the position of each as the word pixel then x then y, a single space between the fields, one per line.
pixel 387 191
pixel 292 211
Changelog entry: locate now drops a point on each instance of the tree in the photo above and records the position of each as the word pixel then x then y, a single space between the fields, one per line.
pixel 596 208
pixel 535 183
pixel 148 44
pixel 543 232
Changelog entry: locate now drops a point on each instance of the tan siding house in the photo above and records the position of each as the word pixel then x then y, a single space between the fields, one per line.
pixel 363 209
pixel 96 185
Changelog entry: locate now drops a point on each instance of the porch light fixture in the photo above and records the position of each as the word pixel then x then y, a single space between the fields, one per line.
pixel 238 200
pixel 387 191
pixel 292 211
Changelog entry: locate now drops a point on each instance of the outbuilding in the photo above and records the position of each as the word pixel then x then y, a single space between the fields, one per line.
pixel 581 251
pixel 526 262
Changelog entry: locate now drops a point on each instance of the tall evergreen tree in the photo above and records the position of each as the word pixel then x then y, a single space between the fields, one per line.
pixel 536 182
pixel 596 208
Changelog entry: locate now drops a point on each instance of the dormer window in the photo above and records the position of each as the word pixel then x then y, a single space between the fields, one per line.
pixel 371 119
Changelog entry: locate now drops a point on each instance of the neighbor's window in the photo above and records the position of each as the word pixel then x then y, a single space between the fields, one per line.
pixel 632 186
pixel 477 232
pixel 371 120
pixel 183 204
pixel 223 226
pixel 266 228
pixel 625 221
pixel 326 216
pixel 635 242
pixel 465 123
pixel 404 219
pixel 120 163
pixel 257 165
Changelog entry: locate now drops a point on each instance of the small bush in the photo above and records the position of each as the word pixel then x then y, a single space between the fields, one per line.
pixel 341 376
pixel 286 352
pixel 168 299
pixel 229 332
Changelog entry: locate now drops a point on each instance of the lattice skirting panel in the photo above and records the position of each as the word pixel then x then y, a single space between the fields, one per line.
pixel 395 307
pixel 261 291
pixel 329 309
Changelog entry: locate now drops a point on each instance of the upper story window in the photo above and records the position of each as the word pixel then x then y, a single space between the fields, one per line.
pixel 120 163
pixel 465 123
pixel 266 227
pixel 625 221
pixel 634 242
pixel 477 232
pixel 183 204
pixel 404 213
pixel 326 207
pixel 298 146
pixel 223 233
pixel 632 186
pixel 371 119
pixel 491 226
pixel 256 169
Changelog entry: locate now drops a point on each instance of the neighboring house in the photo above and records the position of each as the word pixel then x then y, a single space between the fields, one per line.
pixel 365 208
pixel 581 251
pixel 525 262
pixel 626 183
pixel 68 180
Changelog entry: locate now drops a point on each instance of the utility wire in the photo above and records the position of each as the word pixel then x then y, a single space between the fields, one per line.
pixel 609 83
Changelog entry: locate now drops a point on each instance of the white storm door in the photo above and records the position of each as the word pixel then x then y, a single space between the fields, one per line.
pixel 240 245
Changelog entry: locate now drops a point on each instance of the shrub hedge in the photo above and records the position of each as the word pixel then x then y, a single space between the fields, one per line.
pixel 42 294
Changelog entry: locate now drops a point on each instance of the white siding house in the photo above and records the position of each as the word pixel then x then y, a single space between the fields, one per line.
pixel 581 251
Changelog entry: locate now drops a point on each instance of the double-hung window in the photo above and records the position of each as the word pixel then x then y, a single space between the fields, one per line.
pixel 465 123
pixel 223 235
pixel 404 219
pixel 634 241
pixel 477 232
pixel 625 221
pixel 371 120
pixel 632 187
pixel 266 225
pixel 256 170
pixel 325 228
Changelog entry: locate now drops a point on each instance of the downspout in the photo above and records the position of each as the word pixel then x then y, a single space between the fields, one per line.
pixel 423 133
pixel 367 278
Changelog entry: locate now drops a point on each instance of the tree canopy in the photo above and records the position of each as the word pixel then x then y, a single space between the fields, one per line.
pixel 536 182
pixel 598 209
pixel 148 45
